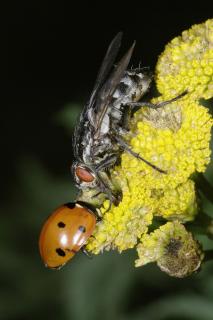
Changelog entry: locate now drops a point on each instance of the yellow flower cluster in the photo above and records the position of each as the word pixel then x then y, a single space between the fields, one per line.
pixel 123 225
pixel 179 152
pixel 187 63
pixel 175 138
pixel 178 203
pixel 173 248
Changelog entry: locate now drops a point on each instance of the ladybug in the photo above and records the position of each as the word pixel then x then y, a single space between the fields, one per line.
pixel 65 232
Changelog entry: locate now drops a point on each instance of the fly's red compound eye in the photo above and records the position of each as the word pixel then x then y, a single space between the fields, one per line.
pixel 84 174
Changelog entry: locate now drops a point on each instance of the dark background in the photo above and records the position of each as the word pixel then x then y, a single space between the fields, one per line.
pixel 53 52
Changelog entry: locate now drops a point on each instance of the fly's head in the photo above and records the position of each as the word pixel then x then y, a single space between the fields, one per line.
pixel 95 187
pixel 83 175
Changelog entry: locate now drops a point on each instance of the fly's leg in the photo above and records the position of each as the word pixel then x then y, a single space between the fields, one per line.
pixel 126 147
pixel 106 163
pixel 105 189
pixel 111 196
pixel 156 105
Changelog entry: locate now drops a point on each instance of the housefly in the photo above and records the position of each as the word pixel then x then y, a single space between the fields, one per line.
pixel 99 136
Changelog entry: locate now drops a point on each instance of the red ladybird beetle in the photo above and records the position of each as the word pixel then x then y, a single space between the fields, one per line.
pixel 65 232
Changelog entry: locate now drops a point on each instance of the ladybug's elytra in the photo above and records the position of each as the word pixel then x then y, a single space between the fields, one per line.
pixel 65 232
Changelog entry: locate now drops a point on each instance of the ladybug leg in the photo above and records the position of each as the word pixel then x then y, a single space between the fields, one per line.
pixel 126 147
pixel 156 105
pixel 86 252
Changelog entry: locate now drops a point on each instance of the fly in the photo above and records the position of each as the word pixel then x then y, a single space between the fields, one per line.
pixel 99 136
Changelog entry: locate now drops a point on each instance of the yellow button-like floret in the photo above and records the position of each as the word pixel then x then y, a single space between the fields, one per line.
pixel 187 63
pixel 177 203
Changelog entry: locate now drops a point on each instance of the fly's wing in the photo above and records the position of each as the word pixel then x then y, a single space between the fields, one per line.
pixel 102 74
pixel 105 95
pixel 106 66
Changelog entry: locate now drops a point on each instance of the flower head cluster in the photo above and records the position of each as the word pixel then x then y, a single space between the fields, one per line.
pixel 178 203
pixel 175 138
pixel 173 248
pixel 187 63
pixel 123 225
pixel 179 151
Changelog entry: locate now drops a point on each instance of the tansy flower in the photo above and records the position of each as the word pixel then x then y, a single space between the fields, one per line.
pixel 177 203
pixel 123 225
pixel 173 248
pixel 175 138
pixel 187 63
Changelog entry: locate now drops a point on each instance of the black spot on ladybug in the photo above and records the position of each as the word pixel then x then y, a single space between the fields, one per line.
pixel 61 224
pixel 82 228
pixel 60 252
pixel 70 205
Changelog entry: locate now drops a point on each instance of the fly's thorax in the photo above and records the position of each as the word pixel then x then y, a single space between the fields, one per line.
pixel 103 148
pixel 143 84
pixel 134 84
